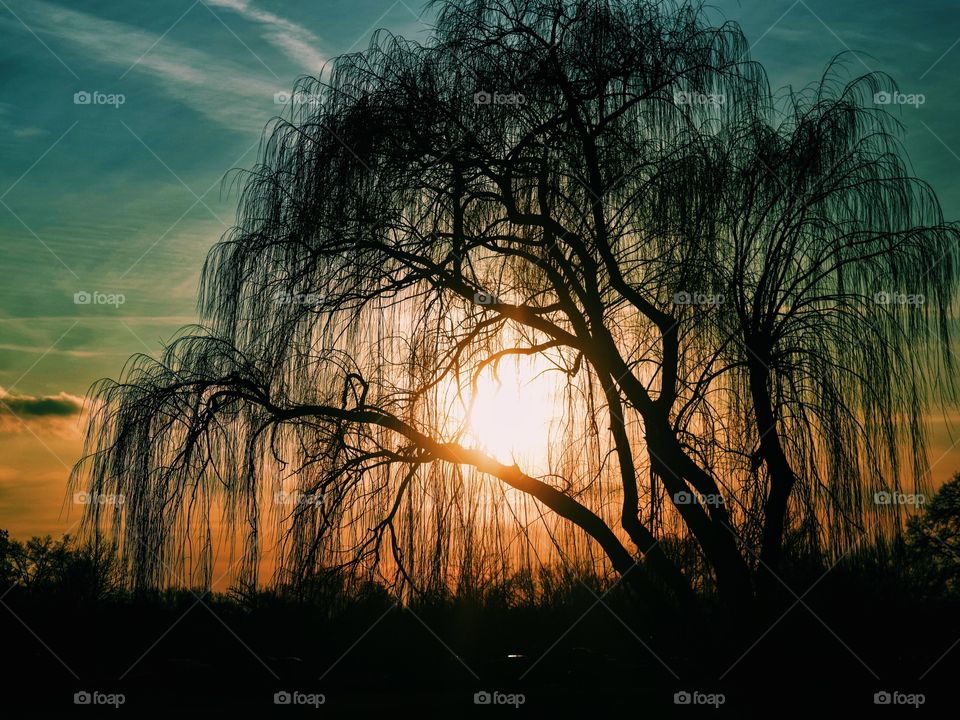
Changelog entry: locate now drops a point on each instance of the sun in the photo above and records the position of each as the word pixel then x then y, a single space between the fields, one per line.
pixel 514 409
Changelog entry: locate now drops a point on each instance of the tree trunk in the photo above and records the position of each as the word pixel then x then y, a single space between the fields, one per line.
pixel 780 473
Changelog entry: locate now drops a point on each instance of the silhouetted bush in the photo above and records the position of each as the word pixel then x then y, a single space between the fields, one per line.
pixel 933 542
pixel 42 566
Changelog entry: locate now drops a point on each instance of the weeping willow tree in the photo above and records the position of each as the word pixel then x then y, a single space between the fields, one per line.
pixel 607 191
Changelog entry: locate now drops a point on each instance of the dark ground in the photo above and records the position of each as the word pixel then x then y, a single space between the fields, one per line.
pixel 830 654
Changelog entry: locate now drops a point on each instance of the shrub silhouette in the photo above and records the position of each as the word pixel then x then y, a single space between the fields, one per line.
pixel 64 568
pixel 933 541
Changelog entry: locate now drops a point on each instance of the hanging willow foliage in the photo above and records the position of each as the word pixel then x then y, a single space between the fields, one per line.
pixel 721 286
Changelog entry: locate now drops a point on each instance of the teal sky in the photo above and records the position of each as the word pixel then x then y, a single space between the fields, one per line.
pixel 126 199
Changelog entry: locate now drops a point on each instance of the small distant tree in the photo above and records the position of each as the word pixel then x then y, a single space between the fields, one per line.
pixel 64 567
pixel 7 571
pixel 39 562
pixel 933 540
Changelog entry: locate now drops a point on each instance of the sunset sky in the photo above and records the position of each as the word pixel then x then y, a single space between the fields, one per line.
pixel 125 198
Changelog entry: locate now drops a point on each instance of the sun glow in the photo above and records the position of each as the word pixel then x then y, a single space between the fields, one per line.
pixel 513 411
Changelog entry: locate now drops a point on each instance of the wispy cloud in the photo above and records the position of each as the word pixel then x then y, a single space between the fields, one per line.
pixel 28 132
pixel 37 350
pixel 222 90
pixel 296 42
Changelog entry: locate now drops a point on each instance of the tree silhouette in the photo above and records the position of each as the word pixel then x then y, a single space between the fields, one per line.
pixel 723 282
pixel 933 539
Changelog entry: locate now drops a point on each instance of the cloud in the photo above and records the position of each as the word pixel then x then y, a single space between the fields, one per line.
pixel 38 350
pixel 221 90
pixel 41 416
pixel 30 406
pixel 28 132
pixel 9 120
pixel 296 42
